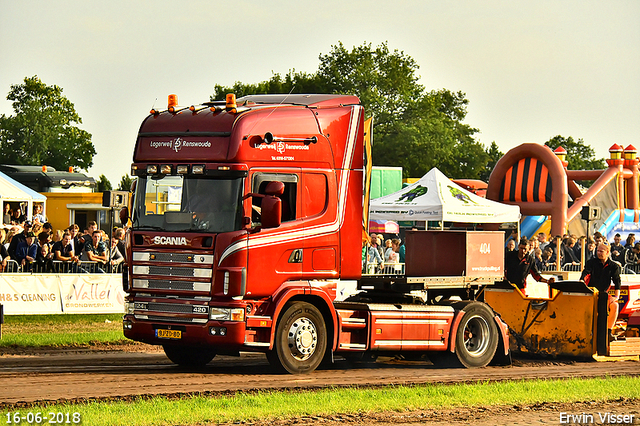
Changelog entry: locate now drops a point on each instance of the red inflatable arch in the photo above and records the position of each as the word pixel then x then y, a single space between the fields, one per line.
pixel 534 178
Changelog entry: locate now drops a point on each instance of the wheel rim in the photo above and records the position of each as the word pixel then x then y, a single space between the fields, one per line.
pixel 303 338
pixel 476 335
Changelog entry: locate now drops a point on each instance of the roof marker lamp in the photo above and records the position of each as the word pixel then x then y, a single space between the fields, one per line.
pixel 134 169
pixel 152 169
pixel 182 169
pixel 231 102
pixel 197 169
pixel 172 101
pixel 165 169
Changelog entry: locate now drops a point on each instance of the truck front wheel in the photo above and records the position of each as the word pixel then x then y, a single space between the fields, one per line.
pixel 476 336
pixel 300 340
pixel 187 356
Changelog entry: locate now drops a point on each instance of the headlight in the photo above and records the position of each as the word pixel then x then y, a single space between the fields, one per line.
pixel 129 307
pixel 226 314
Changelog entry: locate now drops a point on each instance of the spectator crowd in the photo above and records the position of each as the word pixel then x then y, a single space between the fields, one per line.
pixel 569 246
pixel 34 246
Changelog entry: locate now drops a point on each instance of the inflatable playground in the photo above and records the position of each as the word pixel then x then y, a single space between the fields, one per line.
pixel 551 201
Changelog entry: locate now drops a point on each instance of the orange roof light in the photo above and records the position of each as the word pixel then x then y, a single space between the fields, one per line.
pixel 44 169
pixel 231 101
pixel 70 169
pixel 172 101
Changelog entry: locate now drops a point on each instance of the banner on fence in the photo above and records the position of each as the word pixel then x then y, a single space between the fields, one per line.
pixel 29 294
pixel 92 294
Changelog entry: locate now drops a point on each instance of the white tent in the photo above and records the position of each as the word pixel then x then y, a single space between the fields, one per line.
pixel 434 197
pixel 13 191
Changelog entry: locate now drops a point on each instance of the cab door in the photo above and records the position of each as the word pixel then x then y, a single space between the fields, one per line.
pixel 274 255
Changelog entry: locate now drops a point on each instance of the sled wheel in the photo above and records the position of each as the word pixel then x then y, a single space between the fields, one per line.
pixel 300 340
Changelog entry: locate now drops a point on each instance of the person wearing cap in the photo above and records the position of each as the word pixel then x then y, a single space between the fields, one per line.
pixel 17 238
pixel 26 252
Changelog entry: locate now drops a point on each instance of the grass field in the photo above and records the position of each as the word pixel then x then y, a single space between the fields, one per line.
pixel 61 330
pixel 245 407
pixel 82 330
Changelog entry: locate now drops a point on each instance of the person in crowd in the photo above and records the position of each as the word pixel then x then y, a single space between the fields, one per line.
pixel 18 238
pixel 44 258
pixel 36 228
pixel 88 235
pixel 511 246
pixel 390 255
pixel 401 252
pixel 96 251
pixel 375 243
pixel 115 257
pixel 63 252
pixel 569 257
pixel 631 240
pixel 37 213
pixel 6 218
pixel 26 252
pixel 119 234
pixel 590 251
pixel 10 233
pixel 519 264
pixel 542 240
pixel 18 218
pixel 4 254
pixel 77 242
pixel 632 259
pixel 57 236
pixel 372 259
pixel 540 263
pixel 577 246
pixel 600 272
pixel 48 227
pixel 548 259
pixel 617 249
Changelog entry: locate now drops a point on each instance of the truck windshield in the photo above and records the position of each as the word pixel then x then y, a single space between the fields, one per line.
pixel 177 203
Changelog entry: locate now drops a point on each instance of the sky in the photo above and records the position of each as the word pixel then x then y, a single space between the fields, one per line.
pixel 531 70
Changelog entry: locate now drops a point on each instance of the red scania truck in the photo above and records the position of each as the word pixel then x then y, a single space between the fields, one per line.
pixel 246 235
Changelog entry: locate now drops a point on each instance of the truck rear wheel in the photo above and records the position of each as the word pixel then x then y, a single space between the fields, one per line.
pixel 476 336
pixel 188 356
pixel 300 340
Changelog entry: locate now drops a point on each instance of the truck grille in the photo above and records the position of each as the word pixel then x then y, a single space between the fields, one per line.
pixel 171 271
pixel 171 285
pixel 176 319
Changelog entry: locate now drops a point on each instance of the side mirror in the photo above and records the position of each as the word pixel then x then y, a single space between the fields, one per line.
pixel 271 211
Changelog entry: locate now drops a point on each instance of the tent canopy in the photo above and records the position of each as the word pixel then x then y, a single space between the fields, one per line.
pixel 435 197
pixel 13 191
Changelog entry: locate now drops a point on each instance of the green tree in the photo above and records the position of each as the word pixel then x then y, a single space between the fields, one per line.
pixel 414 129
pixel 42 131
pixel 495 155
pixel 103 184
pixel 580 156
pixel 125 183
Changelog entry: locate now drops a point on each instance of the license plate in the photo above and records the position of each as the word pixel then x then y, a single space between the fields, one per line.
pixel 168 334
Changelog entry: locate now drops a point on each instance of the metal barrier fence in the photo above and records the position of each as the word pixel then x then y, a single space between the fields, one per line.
pixel 377 269
pixel 58 267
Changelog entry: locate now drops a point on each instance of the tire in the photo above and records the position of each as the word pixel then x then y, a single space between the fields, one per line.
pixel 300 340
pixel 188 356
pixel 476 336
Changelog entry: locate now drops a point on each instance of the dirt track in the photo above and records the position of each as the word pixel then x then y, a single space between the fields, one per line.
pixel 143 370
